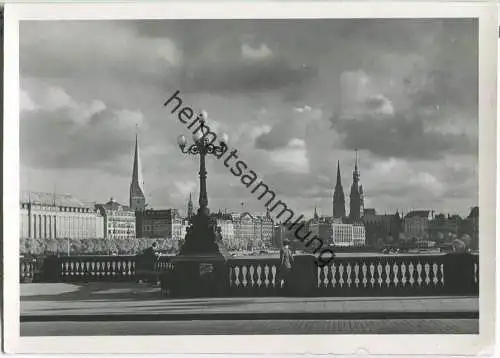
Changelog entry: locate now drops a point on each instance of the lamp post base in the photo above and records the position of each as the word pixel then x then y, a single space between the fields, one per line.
pixel 200 269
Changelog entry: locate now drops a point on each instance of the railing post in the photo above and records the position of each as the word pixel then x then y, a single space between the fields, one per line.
pixel 304 276
pixel 459 274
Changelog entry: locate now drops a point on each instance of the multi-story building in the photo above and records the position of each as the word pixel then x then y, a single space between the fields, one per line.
pixel 224 221
pixel 416 224
pixel 263 230
pixel 119 220
pixel 444 228
pixel 51 216
pixel 346 235
pixel 155 223
pixel 244 230
pixel 381 226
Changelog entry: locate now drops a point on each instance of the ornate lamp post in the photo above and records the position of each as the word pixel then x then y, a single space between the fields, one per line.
pixel 200 268
pixel 202 147
pixel 201 238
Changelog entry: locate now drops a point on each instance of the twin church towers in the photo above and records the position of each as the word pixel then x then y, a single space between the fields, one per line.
pixel 356 199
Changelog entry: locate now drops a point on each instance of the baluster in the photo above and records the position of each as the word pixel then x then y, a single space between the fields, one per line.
pixel 319 271
pixel 435 274
pixel 427 268
pixel 231 270
pixel 411 270
pixel 372 274
pixel 251 272
pixel 266 275
pixel 341 275
pixel 259 275
pixel 356 273
pixel 237 276
pixel 108 268
pixel 98 268
pixel 333 270
pixel 93 268
pixel 403 274
pixel 348 269
pixel 387 274
pixel 395 270
pixel 244 272
pixel 274 270
pixel 379 271
pixel 364 269
pixel 419 273
pixel 442 273
pixel 66 265
pixel 72 268
pixel 113 265
pixel 475 272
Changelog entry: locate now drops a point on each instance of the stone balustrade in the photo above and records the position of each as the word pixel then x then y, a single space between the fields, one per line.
pixel 259 276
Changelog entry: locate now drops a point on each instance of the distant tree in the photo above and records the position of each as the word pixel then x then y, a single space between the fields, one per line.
pixel 23 246
pixel 51 246
pixel 76 247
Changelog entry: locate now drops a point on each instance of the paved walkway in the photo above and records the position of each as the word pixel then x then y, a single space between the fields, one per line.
pixel 227 327
pixel 132 302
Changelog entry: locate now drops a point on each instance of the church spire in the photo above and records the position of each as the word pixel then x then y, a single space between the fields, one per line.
pixel 356 196
pixel 190 211
pixel 137 197
pixel 338 196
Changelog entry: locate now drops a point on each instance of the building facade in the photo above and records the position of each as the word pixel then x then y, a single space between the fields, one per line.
pixel 225 222
pixel 348 235
pixel 263 230
pixel 154 223
pixel 416 225
pixel 52 216
pixel 119 220
pixel 381 226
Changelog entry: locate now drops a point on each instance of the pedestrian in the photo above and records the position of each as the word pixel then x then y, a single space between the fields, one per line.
pixel 147 261
pixel 286 263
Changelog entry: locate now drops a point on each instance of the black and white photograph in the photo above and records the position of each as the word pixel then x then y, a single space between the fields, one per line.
pixel 248 173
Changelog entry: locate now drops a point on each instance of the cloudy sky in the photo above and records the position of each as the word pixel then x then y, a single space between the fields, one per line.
pixel 294 97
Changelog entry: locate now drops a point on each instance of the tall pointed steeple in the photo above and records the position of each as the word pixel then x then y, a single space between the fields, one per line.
pixel 190 211
pixel 355 204
pixel 338 196
pixel 137 196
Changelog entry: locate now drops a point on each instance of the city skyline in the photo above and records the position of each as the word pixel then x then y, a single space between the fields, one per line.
pixel 312 109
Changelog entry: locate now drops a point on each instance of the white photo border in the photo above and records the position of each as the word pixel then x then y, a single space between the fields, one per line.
pixel 482 343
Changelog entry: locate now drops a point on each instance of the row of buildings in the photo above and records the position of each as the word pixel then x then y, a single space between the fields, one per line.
pixel 50 216
pixel 46 215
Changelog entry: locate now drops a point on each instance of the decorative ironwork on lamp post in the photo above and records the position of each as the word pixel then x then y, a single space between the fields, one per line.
pixel 203 147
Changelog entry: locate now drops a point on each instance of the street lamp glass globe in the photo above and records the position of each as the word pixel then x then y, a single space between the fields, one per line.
pixel 224 138
pixel 203 116
pixel 197 136
pixel 181 140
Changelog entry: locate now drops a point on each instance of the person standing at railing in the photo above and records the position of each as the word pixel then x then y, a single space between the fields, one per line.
pixel 286 263
pixel 147 263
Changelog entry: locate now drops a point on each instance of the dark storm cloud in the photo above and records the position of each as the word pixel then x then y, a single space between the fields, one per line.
pixel 400 136
pixel 242 77
pixel 53 140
